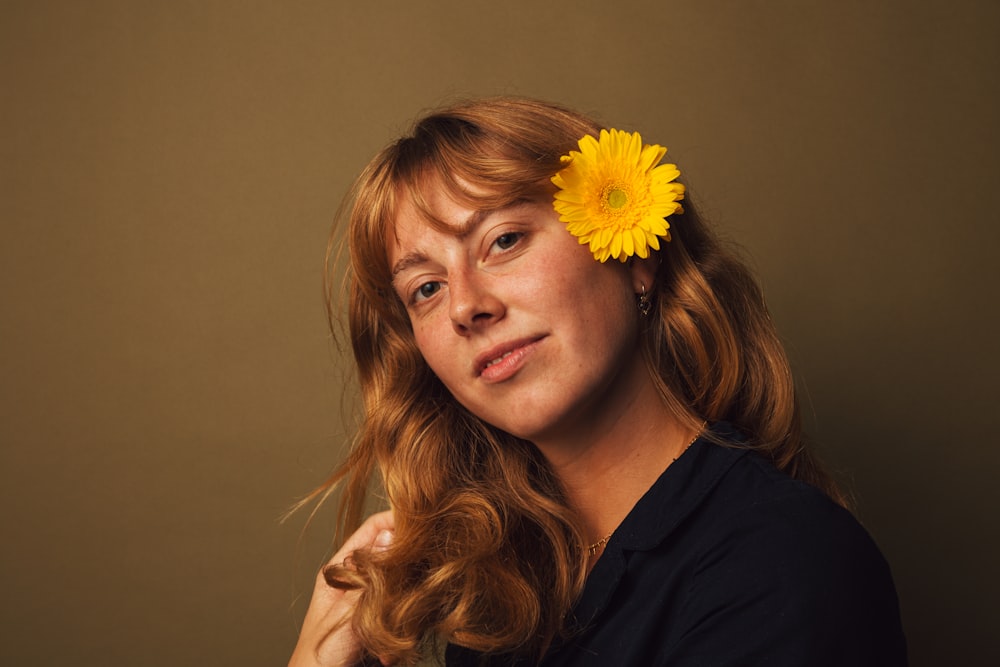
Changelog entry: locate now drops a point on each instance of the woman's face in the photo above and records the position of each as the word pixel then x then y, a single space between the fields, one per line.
pixel 517 319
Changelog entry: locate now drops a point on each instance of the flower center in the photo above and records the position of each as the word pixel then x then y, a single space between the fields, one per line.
pixel 617 198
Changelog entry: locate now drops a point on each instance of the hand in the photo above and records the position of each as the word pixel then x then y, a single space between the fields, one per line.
pixel 326 639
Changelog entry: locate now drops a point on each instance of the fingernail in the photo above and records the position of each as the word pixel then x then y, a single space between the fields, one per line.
pixel 383 540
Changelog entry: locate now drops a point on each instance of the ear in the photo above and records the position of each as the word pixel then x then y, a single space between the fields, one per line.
pixel 643 272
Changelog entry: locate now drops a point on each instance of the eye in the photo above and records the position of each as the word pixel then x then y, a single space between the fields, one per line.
pixel 508 240
pixel 426 290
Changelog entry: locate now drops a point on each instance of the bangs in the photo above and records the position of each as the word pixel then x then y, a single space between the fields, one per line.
pixel 475 170
pixel 484 156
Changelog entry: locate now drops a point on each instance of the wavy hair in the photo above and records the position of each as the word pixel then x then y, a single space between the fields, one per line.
pixel 487 552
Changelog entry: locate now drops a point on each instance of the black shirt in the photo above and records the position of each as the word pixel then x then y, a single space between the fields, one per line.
pixel 726 561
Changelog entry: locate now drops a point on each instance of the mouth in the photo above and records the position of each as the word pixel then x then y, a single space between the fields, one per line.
pixel 503 355
pixel 498 359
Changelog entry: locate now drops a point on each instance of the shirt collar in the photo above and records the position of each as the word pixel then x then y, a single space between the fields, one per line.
pixel 681 488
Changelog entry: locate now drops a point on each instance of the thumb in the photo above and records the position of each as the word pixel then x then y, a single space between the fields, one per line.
pixel 383 540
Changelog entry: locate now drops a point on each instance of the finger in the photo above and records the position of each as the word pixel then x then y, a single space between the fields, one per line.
pixel 366 536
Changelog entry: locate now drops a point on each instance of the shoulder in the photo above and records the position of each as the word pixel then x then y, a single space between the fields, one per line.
pixel 758 520
pixel 780 564
pixel 762 507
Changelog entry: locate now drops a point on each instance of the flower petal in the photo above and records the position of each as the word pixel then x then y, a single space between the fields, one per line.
pixel 617 162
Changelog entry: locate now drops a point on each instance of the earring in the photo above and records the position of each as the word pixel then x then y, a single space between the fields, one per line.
pixel 642 303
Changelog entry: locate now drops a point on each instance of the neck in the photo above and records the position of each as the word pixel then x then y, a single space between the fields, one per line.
pixel 607 467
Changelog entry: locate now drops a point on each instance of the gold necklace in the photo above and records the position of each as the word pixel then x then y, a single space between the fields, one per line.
pixel 596 546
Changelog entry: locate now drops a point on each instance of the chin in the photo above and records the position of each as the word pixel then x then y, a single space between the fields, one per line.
pixel 520 429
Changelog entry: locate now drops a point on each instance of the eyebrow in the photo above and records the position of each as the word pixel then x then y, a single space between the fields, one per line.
pixel 461 231
pixel 408 260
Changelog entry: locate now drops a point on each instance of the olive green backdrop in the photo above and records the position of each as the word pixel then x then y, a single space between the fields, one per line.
pixel 170 171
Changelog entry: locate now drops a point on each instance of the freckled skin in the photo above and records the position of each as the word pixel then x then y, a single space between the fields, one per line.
pixel 519 278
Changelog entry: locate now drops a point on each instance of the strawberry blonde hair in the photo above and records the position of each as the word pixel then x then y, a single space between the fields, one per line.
pixel 488 553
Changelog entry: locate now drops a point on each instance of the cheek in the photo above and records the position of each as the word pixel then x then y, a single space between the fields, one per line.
pixel 433 348
pixel 602 291
pixel 605 308
pixel 424 340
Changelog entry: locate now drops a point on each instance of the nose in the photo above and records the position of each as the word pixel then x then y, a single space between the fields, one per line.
pixel 473 303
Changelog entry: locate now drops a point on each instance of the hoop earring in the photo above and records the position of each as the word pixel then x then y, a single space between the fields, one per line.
pixel 642 303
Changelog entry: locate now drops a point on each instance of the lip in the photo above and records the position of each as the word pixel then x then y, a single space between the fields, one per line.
pixel 508 358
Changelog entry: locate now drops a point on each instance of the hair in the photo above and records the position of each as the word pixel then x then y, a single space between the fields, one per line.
pixel 487 553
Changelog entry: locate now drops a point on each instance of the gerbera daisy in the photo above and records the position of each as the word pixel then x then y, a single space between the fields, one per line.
pixel 614 197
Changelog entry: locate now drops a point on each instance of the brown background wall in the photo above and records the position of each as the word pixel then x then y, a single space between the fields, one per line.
pixel 169 174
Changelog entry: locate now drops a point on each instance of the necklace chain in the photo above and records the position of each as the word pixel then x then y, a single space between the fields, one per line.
pixel 596 546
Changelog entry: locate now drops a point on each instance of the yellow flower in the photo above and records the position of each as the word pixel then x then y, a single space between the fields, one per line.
pixel 614 197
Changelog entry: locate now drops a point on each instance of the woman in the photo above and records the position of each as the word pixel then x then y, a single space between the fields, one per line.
pixel 582 420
